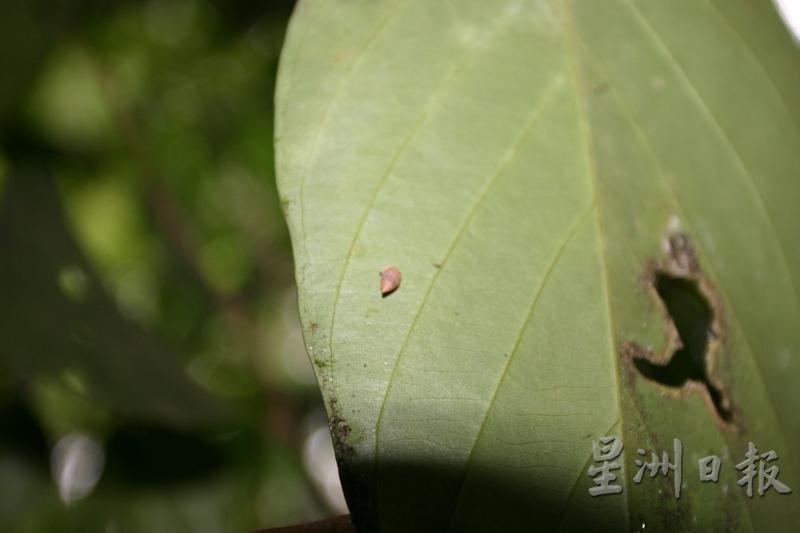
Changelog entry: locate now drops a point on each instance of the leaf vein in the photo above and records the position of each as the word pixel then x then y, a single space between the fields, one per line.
pixel 571 232
pixel 501 167
pixel 339 89
pixel 706 112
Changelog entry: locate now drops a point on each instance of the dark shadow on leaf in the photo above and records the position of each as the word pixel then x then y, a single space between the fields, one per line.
pixel 420 497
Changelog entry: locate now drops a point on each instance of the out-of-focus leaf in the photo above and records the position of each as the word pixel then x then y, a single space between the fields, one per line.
pixel 56 317
pixel 69 102
pixel 534 168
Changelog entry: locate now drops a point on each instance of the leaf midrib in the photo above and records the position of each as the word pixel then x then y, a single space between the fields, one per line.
pixel 706 112
pixel 591 163
pixel 677 205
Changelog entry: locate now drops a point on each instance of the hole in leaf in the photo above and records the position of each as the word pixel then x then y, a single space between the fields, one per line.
pixel 693 317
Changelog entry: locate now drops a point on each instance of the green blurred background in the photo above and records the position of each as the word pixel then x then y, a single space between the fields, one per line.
pixel 152 370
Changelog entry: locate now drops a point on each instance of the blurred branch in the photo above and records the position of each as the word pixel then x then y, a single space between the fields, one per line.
pixel 337 524
pixel 45 329
pixel 164 209
pixel 168 216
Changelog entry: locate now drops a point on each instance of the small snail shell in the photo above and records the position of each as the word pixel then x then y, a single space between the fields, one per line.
pixel 390 280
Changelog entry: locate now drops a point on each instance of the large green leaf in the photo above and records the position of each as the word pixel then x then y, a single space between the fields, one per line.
pixel 569 188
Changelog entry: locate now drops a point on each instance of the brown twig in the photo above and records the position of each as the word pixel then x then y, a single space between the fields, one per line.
pixel 337 524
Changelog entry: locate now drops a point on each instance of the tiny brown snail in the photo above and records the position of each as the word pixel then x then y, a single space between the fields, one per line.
pixel 390 280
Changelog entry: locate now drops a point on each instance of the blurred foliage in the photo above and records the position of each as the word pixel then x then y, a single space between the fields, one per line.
pixel 146 292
